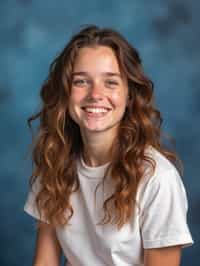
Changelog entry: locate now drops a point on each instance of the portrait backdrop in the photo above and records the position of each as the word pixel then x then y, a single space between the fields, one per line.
pixel 167 35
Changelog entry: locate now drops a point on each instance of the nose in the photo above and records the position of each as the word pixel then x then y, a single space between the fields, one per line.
pixel 96 91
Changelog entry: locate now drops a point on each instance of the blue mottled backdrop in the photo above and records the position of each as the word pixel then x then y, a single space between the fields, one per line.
pixel 167 35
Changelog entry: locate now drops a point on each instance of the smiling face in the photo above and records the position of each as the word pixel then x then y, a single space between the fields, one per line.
pixel 98 94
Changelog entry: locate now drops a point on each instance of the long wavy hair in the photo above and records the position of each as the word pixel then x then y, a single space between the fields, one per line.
pixel 58 141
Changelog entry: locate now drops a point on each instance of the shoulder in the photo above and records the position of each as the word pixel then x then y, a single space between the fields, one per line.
pixel 162 162
pixel 164 183
pixel 163 206
pixel 36 186
pixel 163 167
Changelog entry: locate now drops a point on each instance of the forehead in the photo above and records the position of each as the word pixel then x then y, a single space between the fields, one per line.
pixel 96 58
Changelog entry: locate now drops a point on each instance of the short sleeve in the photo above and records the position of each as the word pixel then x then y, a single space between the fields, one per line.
pixel 30 206
pixel 164 205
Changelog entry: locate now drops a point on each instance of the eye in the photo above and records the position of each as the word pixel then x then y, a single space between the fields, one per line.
pixel 80 82
pixel 112 82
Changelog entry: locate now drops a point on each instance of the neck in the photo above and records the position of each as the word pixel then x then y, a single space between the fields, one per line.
pixel 97 149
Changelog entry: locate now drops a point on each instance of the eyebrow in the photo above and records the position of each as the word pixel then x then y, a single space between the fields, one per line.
pixel 104 74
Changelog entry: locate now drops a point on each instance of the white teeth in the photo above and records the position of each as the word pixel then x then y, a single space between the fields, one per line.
pixel 96 110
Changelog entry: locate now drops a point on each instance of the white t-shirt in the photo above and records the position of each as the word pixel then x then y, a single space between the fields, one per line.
pixel 161 222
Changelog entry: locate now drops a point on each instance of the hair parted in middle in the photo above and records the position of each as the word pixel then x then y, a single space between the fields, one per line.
pixel 59 144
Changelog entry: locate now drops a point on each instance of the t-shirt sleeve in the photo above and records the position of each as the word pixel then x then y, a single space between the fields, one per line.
pixel 30 206
pixel 164 205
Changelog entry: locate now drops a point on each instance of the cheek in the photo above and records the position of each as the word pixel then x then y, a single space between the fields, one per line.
pixel 119 99
pixel 76 97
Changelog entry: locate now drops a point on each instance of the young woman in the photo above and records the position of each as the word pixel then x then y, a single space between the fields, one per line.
pixel 104 189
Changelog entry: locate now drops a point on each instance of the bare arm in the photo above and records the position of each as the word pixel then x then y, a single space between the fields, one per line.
pixel 163 256
pixel 47 250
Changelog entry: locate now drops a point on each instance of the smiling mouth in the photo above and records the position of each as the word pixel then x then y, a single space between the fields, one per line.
pixel 96 112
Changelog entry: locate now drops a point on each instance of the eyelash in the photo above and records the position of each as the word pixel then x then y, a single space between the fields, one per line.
pixel 112 82
pixel 80 82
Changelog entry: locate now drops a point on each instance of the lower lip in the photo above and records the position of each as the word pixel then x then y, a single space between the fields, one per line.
pixel 96 115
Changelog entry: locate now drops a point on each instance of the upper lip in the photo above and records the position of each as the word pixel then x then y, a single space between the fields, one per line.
pixel 95 106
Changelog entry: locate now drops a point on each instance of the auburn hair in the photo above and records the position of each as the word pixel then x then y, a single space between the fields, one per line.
pixel 58 141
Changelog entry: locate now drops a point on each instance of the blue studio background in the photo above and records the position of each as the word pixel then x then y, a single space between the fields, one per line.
pixel 167 35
